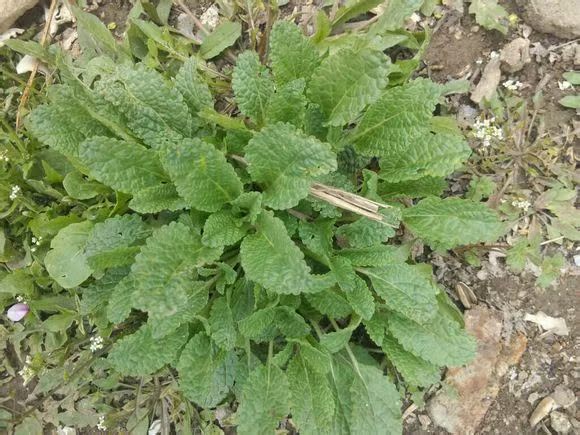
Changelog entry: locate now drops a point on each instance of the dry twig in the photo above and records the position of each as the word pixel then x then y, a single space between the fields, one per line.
pixel 43 41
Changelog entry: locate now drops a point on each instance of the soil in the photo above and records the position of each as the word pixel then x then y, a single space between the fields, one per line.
pixel 550 360
pixel 456 47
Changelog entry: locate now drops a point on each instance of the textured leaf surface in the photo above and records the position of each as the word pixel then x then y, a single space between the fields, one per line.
pixel 416 371
pixel 265 401
pixel 252 86
pixel 310 398
pixel 405 290
pixel 154 110
pixel 121 300
pixel 447 223
pixel 110 243
pixel 163 269
pixel 317 235
pixel 336 341
pixel 157 198
pixel 374 256
pixel 163 324
pixel 194 90
pixel 331 303
pixel 290 323
pixel 223 229
pixel 376 327
pixel 96 295
pixel 66 262
pixel 440 341
pixel 433 155
pixel 341 377
pixel 361 299
pixel 288 104
pixel 292 54
pixel 376 403
pixel 202 175
pixel 206 373
pixel 64 126
pixel 286 162
pixel 139 354
pixel 393 124
pixel 221 322
pixel 258 325
pixel 364 233
pixel 78 187
pixel 124 166
pixel 419 188
pixel 271 259
pixel 346 82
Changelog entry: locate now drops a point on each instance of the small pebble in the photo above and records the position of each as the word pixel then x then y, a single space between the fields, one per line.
pixel 564 396
pixel 560 423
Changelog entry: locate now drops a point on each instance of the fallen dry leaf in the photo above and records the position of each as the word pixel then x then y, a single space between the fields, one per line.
pixel 556 325
pixel 542 410
pixel 489 81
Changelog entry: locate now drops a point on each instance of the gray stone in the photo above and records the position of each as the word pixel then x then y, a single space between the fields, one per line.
pixel 558 17
pixel 11 10
pixel 564 396
pixel 560 423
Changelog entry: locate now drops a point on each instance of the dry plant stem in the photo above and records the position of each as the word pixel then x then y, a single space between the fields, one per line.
pixel 43 40
pixel 411 409
pixel 340 198
pixel 191 15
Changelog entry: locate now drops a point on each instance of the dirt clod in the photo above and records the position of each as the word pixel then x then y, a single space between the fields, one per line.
pixel 515 55
pixel 477 384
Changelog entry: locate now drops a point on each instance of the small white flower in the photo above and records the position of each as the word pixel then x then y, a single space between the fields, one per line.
pixel 27 373
pixel 4 156
pixel 486 131
pixel 14 192
pixel 96 343
pixel 20 298
pixel 101 423
pixel 513 85
pixel 66 430
pixel 521 204
pixel 415 17
pixel 210 18
pixel 564 85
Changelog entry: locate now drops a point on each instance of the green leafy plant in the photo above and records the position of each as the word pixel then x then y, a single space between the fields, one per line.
pixel 541 215
pixel 490 15
pixel 571 101
pixel 253 257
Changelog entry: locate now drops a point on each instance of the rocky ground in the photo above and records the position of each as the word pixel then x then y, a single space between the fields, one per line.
pixel 525 378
